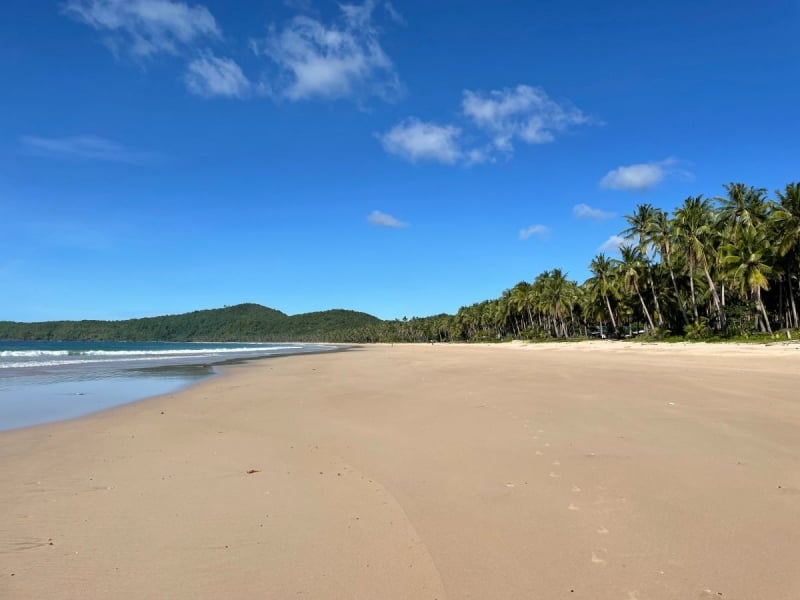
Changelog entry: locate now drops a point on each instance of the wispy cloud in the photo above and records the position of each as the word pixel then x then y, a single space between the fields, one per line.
pixel 612 243
pixel 393 13
pixel 642 176
pixel 493 122
pixel 381 219
pixel 343 59
pixel 584 211
pixel 522 113
pixel 145 27
pixel 84 147
pixel 416 140
pixel 537 231
pixel 212 76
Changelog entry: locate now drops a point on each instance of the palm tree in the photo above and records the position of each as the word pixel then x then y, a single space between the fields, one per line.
pixel 603 281
pixel 661 234
pixel 641 228
pixel 743 208
pixel 631 264
pixel 521 299
pixel 746 260
pixel 787 224
pixel 694 229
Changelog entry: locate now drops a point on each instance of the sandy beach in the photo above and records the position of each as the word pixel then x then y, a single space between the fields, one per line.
pixel 599 470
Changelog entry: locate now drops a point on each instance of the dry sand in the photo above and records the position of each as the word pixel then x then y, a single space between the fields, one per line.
pixel 599 471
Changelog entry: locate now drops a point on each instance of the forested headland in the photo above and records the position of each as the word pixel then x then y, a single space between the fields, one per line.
pixel 716 268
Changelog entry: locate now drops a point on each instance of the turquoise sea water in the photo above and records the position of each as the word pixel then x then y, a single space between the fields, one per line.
pixel 50 381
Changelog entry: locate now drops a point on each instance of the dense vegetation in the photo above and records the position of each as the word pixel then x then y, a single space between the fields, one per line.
pixel 244 322
pixel 713 268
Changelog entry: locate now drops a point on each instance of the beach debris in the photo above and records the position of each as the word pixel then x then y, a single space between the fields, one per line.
pixel 251 471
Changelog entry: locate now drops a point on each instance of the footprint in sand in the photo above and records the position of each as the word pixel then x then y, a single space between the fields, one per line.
pixel 572 507
pixel 576 489
pixel 597 557
pixel 602 531
pixel 554 475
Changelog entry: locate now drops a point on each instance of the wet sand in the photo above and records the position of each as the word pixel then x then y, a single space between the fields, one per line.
pixel 602 470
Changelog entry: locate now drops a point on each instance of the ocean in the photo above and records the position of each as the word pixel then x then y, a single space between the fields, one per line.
pixel 41 382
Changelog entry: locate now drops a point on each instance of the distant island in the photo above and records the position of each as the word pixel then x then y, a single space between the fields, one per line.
pixel 240 323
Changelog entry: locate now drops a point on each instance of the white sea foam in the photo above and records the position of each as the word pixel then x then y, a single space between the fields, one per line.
pixel 179 352
pixel 20 359
pixel 24 353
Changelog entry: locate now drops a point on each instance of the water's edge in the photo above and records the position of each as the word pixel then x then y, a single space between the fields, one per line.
pixel 81 399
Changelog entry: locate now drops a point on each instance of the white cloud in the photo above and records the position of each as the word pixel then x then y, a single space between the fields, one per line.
pixel 584 211
pixel 84 147
pixel 612 243
pixel 416 140
pixel 340 60
pixel 394 15
pixel 211 76
pixel 381 219
pixel 298 4
pixel 522 113
pixel 146 27
pixel 525 113
pixel 538 231
pixel 641 177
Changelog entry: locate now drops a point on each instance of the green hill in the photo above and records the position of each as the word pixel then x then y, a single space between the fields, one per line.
pixel 243 322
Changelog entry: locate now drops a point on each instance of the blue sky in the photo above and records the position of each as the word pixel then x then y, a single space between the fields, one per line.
pixel 404 158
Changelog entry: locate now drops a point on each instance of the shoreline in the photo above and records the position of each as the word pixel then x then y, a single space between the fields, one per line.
pixel 419 471
pixel 112 381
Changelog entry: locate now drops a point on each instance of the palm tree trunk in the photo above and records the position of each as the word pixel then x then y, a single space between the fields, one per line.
pixel 694 298
pixel 791 299
pixel 655 301
pixel 610 312
pixel 715 298
pixel 677 294
pixel 763 310
pixel 644 307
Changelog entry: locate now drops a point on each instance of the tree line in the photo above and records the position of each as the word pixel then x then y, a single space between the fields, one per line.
pixel 714 267
pixel 726 266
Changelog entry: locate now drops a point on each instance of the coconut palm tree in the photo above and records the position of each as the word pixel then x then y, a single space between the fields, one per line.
pixel 603 281
pixel 641 229
pixel 747 260
pixel 631 265
pixel 743 208
pixel 695 232
pixel 521 299
pixel 786 219
pixel 661 234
